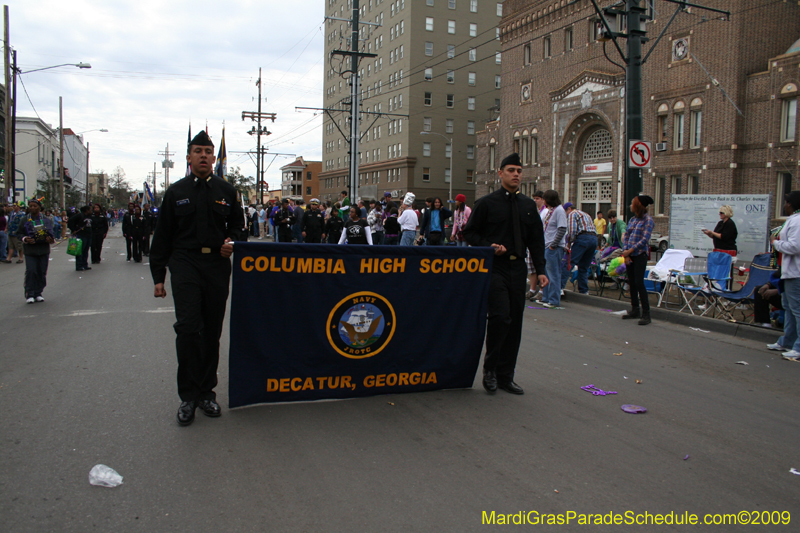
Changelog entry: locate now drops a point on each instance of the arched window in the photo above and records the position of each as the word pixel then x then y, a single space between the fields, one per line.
pixel 599 145
pixel 695 123
pixel 789 113
pixel 492 154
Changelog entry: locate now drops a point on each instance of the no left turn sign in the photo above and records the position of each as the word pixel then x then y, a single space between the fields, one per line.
pixel 639 154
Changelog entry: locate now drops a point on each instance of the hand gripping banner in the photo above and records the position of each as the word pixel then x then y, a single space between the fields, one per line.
pixel 320 321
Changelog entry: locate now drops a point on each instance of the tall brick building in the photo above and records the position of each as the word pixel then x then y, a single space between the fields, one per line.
pixel 563 109
pixel 437 70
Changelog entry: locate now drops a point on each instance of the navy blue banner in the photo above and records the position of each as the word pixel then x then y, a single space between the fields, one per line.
pixel 320 321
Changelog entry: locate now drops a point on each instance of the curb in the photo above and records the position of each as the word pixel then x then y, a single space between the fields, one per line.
pixel 735 329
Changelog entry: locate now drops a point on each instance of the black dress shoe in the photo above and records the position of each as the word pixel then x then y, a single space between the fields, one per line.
pixel 210 408
pixel 87 268
pixel 633 313
pixel 645 319
pixel 186 413
pixel 510 386
pixel 490 381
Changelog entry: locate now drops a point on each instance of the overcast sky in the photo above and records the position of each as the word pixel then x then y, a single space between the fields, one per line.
pixel 158 65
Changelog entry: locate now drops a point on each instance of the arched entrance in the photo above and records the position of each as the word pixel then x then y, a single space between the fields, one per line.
pixel 588 150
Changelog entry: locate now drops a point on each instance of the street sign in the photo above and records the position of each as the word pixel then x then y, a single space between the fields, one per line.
pixel 639 154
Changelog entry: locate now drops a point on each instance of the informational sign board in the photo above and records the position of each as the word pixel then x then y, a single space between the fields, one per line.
pixel 691 213
pixel 352 321
pixel 639 154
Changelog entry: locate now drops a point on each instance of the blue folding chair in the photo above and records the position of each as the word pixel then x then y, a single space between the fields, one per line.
pixel 725 301
pixel 718 274
pixel 689 281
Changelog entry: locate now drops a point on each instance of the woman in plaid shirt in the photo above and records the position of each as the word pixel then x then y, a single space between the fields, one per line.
pixel 636 248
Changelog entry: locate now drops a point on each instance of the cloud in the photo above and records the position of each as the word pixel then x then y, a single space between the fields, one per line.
pixel 156 66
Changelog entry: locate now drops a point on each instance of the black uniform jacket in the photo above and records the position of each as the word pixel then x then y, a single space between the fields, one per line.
pixel 490 223
pixel 313 222
pixel 183 210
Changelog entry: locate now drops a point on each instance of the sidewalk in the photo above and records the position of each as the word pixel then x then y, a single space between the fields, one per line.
pixel 736 329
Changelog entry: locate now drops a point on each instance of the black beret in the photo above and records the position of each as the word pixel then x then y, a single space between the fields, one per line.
pixel 513 159
pixel 645 200
pixel 201 139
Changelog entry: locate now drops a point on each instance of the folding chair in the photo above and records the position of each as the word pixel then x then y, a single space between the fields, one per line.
pixel 689 281
pixel 719 270
pixel 726 301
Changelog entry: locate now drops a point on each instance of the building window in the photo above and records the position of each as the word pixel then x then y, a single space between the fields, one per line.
pixel 428 98
pixel 471 78
pixel 429 2
pixel 473 6
pixel 677 133
pixel 524 154
pixel 448 125
pixel 498 57
pixel 473 54
pixel 426 124
pixel 695 127
pixel 426 149
pixel 451 76
pixel 595 29
pixel 470 175
pixel 451 4
pixel 426 172
pixel 526 54
pixel 473 30
pixel 448 150
pixel 451 51
pixel 784 187
pixel 497 81
pixel 693 185
pixel 471 103
pixel 534 150
pixel 675 186
pixel 568 44
pixel 546 47
pixel 470 152
pixel 447 175
pixel 470 127
pixel 428 48
pixel 450 100
pixel 499 10
pixel 660 194
pixel 451 26
pixel 789 120
pixel 428 23
pixel 428 74
pixel 661 134
pixel 491 156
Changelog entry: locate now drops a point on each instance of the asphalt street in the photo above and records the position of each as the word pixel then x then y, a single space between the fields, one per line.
pixel 88 377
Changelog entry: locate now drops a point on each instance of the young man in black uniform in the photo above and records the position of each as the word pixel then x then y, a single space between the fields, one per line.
pixel 127 229
pixel 508 222
pixel 285 219
pixel 313 223
pixel 200 217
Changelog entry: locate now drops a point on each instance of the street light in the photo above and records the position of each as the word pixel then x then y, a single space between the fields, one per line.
pixel 11 104
pixel 79 65
pixel 450 139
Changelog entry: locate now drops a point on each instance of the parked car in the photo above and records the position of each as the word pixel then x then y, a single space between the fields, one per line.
pixel 659 242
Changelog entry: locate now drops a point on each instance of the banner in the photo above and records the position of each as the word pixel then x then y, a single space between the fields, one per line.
pixel 321 321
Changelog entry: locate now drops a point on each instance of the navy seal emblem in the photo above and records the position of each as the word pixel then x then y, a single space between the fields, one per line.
pixel 361 325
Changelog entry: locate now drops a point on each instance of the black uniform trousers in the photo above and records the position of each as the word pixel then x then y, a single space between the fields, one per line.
pixel 200 292
pixel 129 245
pixel 504 322
pixel 146 244
pixel 97 247
pixel 285 233
pixel 313 237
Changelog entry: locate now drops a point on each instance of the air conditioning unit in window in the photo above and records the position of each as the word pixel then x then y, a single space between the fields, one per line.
pixel 661 147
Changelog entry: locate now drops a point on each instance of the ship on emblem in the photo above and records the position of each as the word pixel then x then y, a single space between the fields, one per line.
pixel 360 328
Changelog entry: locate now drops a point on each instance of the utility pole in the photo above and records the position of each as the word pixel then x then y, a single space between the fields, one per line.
pixel 355 94
pixel 167 164
pixel 9 133
pixel 633 15
pixel 88 199
pixel 13 156
pixel 61 152
pixel 258 132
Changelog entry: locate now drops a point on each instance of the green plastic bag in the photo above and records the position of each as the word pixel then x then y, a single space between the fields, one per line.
pixel 75 246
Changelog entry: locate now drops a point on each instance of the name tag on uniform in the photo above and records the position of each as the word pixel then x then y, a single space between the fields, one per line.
pixel 182 202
